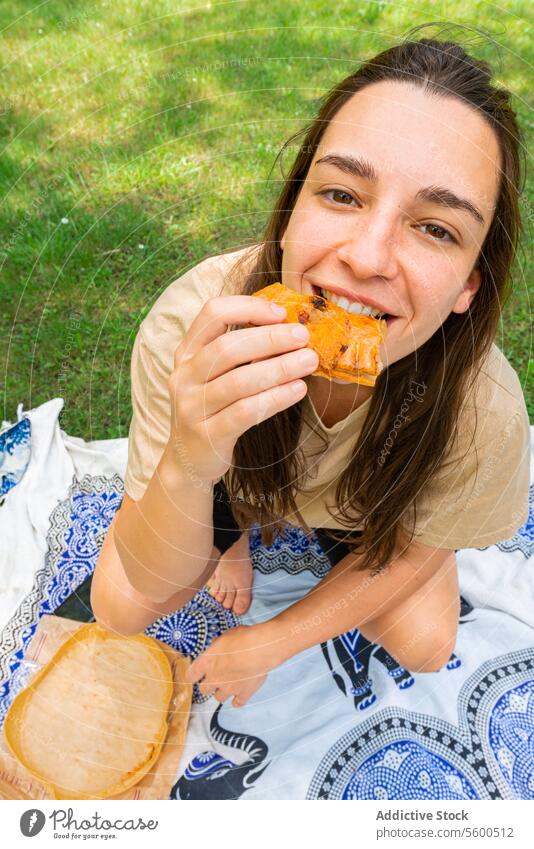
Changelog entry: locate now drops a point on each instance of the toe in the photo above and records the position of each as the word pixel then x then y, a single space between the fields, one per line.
pixel 242 601
pixel 229 599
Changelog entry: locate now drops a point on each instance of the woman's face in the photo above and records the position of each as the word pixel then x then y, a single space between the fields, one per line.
pixel 402 226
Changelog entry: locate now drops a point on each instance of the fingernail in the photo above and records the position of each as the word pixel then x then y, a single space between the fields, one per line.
pixel 307 357
pixel 278 310
pixel 299 332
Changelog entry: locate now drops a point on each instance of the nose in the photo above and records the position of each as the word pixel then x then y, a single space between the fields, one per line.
pixel 370 247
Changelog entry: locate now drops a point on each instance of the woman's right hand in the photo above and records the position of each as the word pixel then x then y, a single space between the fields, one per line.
pixel 223 382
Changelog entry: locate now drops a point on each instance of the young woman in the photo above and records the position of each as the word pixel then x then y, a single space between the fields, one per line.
pixel 403 197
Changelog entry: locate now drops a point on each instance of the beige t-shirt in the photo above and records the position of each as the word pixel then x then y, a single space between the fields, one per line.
pixel 472 502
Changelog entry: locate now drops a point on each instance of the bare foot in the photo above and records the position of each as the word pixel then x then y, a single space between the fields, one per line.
pixel 231 583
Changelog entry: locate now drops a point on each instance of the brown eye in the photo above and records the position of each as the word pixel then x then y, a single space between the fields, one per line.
pixel 339 192
pixel 439 233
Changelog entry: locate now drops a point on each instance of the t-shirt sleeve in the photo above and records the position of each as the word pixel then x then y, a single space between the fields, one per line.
pixel 149 433
pixel 153 360
pixel 481 498
pixel 150 424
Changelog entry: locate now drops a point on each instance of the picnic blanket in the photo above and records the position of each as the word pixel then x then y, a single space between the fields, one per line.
pixel 341 720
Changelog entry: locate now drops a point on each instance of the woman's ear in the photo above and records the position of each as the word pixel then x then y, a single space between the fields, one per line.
pixel 471 287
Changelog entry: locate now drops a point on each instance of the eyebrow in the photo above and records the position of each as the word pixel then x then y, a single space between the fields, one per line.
pixel 358 167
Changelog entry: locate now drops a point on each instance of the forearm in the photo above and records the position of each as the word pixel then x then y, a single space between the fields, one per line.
pixel 345 599
pixel 165 539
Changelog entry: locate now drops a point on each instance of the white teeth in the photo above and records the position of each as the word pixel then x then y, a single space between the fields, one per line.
pixel 359 309
pixel 344 303
pixel 351 306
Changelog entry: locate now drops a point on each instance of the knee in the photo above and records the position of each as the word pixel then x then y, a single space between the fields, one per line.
pixel 111 617
pixel 114 605
pixel 116 625
pixel 427 652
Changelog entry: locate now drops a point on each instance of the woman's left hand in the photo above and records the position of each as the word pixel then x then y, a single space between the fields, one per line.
pixel 236 664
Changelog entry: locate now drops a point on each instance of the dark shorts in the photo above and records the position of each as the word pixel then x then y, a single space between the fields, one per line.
pixel 226 531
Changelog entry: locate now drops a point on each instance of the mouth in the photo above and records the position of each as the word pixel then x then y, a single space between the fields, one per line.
pixel 353 306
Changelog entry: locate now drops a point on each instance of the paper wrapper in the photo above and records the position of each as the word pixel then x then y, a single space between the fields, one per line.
pixel 17 783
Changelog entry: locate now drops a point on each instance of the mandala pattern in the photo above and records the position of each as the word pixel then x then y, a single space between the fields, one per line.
pixel 511 735
pixel 398 754
pixel 15 452
pixel 406 770
pixel 191 629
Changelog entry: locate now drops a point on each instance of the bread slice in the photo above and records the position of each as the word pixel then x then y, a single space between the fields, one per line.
pixel 347 344
pixel 92 721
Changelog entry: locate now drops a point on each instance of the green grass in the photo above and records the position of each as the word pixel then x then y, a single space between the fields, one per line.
pixel 156 123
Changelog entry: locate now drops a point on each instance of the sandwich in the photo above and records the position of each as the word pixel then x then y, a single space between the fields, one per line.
pixel 347 344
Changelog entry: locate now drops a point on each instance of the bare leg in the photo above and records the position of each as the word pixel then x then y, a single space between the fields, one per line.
pixel 118 607
pixel 421 632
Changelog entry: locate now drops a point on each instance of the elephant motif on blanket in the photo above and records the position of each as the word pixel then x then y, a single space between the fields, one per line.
pixel 354 653
pixel 210 775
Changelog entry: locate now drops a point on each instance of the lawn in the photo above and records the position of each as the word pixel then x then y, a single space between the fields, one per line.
pixel 138 138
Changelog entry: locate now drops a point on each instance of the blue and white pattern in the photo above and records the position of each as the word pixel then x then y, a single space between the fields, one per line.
pixel 213 776
pixel 488 754
pixel 408 736
pixel 193 628
pixel 341 720
pixel 78 526
pixel 15 453
pixel 523 539
pixel 406 770
pixel 511 737
pixel 292 551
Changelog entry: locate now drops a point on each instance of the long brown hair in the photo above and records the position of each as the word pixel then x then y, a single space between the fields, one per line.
pixel 378 488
